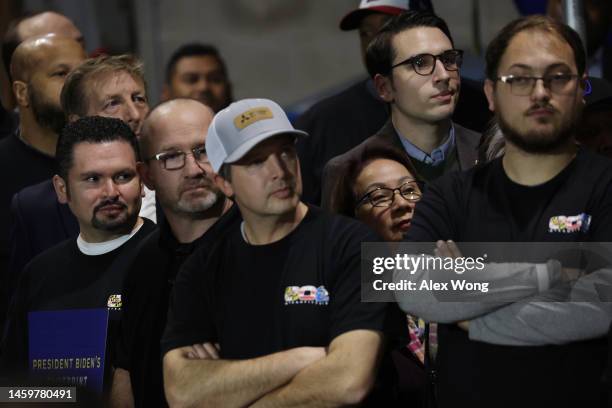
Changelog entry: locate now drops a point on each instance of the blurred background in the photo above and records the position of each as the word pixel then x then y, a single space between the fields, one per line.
pixel 291 51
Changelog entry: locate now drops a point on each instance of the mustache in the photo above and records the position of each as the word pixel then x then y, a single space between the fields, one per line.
pixel 196 182
pixel 290 184
pixel 540 106
pixel 109 202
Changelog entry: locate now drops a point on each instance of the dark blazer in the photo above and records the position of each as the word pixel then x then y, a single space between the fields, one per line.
pixel 38 221
pixel 466 143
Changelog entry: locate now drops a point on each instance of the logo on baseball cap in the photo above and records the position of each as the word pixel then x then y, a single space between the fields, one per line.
pixel 241 126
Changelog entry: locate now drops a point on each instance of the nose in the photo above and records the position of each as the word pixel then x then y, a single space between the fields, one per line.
pixel 276 166
pixel 400 203
pixel 133 115
pixel 540 91
pixel 202 85
pixel 192 166
pixel 440 72
pixel 110 189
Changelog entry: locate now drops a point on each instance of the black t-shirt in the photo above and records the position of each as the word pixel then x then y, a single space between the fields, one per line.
pixel 145 306
pixel 484 205
pixel 303 290
pixel 64 278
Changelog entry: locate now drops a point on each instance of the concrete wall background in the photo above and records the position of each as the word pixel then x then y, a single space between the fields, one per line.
pixel 286 50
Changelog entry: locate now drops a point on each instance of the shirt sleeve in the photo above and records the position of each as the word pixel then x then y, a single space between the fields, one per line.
pixel 544 319
pixel 433 215
pixel 190 318
pixel 348 312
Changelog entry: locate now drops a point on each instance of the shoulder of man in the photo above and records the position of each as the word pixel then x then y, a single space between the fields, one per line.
pixel 339 104
pixel 335 227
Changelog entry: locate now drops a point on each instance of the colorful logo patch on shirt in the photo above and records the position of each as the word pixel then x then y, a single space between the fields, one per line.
pixel 569 224
pixel 114 302
pixel 307 294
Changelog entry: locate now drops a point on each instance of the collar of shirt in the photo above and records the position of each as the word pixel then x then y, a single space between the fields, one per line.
pixel 101 248
pixel 437 156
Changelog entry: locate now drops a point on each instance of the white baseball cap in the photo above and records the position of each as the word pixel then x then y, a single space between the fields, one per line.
pixel 241 126
pixel 391 7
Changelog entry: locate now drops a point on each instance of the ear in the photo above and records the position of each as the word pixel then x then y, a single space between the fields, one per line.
pixel 20 89
pixel 489 91
pixel 61 189
pixel 73 117
pixel 145 176
pixel 384 87
pixel 223 185
pixel 584 86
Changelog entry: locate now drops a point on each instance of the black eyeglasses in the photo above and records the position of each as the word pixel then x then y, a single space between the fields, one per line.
pixel 425 64
pixel 384 197
pixel 522 85
pixel 175 160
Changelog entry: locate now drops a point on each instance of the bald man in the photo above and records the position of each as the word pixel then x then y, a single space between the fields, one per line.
pixel 39 67
pixel 30 26
pixel 177 168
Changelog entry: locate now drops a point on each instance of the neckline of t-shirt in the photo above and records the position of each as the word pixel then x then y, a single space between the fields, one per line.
pixel 101 248
pixel 282 241
pixel 552 182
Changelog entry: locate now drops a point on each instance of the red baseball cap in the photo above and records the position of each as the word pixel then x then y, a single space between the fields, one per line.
pixel 392 7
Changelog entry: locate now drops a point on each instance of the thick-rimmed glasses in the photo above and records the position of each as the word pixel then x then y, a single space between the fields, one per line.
pixel 175 160
pixel 384 197
pixel 523 85
pixel 425 64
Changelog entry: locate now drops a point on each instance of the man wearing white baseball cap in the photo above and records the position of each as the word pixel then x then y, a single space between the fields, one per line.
pixel 270 314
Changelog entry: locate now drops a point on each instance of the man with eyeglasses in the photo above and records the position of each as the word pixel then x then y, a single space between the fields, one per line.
pixel 176 167
pixel 269 314
pixel 415 69
pixel 539 351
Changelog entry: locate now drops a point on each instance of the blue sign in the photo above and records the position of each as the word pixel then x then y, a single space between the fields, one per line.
pixel 68 347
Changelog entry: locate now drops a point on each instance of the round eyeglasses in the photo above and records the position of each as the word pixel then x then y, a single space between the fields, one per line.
pixel 425 64
pixel 175 160
pixel 384 197
pixel 523 85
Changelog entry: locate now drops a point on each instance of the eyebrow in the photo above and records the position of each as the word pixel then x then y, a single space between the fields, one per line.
pixel 401 181
pixel 548 68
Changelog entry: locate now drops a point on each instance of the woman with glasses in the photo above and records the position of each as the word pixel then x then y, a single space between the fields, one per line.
pixel 378 186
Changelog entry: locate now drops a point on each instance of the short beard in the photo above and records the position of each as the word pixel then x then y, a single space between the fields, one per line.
pixel 197 207
pixel 121 225
pixel 537 143
pixel 47 115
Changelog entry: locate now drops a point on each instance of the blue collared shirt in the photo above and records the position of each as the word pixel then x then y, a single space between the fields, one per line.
pixel 437 156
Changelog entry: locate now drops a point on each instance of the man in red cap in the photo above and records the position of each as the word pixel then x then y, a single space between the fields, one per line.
pixel 342 121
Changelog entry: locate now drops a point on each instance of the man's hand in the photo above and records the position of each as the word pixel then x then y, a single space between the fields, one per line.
pixel 203 351
pixel 447 249
pixel 465 325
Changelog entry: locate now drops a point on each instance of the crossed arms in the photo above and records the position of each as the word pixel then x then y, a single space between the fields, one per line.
pixel 304 376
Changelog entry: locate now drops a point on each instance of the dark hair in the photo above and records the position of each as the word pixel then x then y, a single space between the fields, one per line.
pixel 497 47
pixel 73 97
pixel 380 52
pixel 343 199
pixel 192 50
pixel 11 40
pixel 91 129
